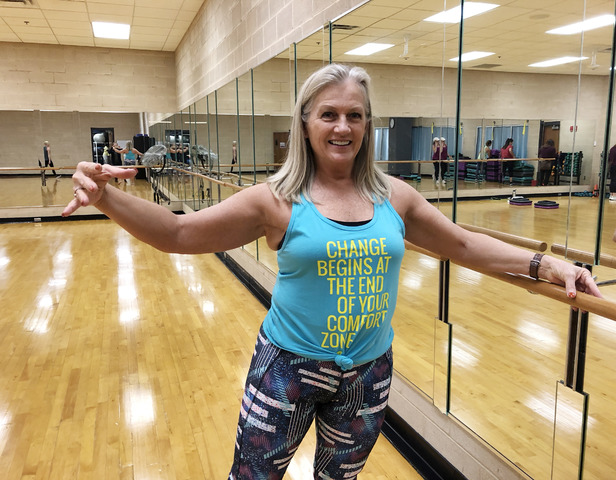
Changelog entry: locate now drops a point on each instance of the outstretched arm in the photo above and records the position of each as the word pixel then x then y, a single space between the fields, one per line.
pixel 242 218
pixel 428 228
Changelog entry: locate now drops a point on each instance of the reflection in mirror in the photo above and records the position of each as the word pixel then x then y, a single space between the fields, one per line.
pixel 569 433
pixel 245 153
pixel 228 131
pixel 442 364
pixel 246 160
pixel 273 101
pixel 312 53
pixel 508 94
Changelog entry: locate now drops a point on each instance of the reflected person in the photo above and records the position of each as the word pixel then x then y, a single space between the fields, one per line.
pixel 47 157
pixel 507 153
pixel 611 161
pixel 545 166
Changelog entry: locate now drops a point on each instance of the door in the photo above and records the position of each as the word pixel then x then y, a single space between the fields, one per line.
pixel 281 141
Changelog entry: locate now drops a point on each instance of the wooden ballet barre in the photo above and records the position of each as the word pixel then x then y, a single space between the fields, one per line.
pixel 465 160
pixel 583 301
pixel 508 238
pixel 581 256
pixel 232 186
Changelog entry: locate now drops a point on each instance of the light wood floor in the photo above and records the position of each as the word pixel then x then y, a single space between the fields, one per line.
pixel 121 362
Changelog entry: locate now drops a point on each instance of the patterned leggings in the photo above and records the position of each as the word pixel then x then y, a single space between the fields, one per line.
pixel 285 392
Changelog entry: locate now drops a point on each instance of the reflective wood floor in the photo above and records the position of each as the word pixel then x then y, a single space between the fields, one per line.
pixel 121 362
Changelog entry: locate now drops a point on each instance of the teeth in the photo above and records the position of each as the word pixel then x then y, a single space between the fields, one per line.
pixel 336 142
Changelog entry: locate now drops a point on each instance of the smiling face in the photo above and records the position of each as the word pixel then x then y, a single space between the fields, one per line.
pixel 336 125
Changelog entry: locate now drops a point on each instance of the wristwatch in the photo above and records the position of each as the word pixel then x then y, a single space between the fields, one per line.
pixel 534 265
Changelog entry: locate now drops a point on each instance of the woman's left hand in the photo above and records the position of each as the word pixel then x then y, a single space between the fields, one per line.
pixel 575 279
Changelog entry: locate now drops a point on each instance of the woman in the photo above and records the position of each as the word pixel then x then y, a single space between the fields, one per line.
pixel 339 225
pixel 487 150
pixel 439 153
pixel 507 152
pixel 129 155
pixel 545 166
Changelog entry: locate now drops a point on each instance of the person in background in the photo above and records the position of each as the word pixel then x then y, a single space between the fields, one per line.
pixel 439 153
pixel 487 150
pixel 47 156
pixel 129 155
pixel 611 161
pixel 233 155
pixel 507 153
pixel 106 156
pixel 338 224
pixel 545 166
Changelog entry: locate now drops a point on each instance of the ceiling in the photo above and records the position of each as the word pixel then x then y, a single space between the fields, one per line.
pixel 514 32
pixel 155 24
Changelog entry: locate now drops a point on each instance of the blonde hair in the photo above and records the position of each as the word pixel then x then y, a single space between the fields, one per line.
pixel 296 175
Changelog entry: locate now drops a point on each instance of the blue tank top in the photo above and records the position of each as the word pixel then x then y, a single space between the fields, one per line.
pixel 337 285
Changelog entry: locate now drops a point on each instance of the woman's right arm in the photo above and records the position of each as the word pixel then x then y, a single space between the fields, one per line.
pixel 240 219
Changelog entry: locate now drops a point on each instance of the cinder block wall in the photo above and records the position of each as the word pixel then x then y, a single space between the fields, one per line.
pixel 86 79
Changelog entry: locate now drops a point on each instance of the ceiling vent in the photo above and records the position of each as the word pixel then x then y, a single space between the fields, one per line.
pixel 340 26
pixel 487 65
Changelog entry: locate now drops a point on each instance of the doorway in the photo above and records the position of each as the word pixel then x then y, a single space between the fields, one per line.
pixel 281 144
pixel 550 131
pixel 101 138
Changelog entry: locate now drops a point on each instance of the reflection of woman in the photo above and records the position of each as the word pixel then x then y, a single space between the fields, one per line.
pixel 507 152
pixel 439 152
pixel 129 153
pixel 487 150
pixel 338 224
pixel 612 169
pixel 233 155
pixel 545 166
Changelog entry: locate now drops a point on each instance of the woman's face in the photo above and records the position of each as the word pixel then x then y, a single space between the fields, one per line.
pixel 337 123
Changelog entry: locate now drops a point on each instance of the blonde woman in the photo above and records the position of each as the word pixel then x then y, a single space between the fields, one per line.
pixel 323 352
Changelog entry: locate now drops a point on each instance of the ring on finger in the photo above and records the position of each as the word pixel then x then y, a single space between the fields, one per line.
pixel 75 190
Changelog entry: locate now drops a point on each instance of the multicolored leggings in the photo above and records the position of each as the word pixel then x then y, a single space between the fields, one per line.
pixel 285 392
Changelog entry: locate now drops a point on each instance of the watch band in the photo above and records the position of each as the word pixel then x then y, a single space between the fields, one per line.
pixel 534 265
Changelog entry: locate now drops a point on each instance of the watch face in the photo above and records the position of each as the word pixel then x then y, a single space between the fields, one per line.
pixel 391 123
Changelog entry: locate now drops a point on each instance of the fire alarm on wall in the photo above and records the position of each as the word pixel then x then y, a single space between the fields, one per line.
pixel 571 128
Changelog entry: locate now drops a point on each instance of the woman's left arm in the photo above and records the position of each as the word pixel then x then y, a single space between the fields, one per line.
pixel 428 228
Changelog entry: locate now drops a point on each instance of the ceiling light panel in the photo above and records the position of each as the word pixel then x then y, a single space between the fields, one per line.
pixel 586 25
pixel 453 14
pixel 557 61
pixel 369 49
pixel 119 31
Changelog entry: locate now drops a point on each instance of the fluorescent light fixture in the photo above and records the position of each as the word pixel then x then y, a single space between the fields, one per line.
pixel 590 24
pixel 369 48
pixel 119 31
pixel 453 14
pixel 468 56
pixel 557 61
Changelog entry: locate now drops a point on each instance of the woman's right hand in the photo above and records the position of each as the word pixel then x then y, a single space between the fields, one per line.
pixel 89 181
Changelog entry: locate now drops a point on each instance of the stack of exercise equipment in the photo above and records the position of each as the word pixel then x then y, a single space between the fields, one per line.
pixel 547 204
pixel 493 171
pixel 473 172
pixel 523 174
pixel 518 200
